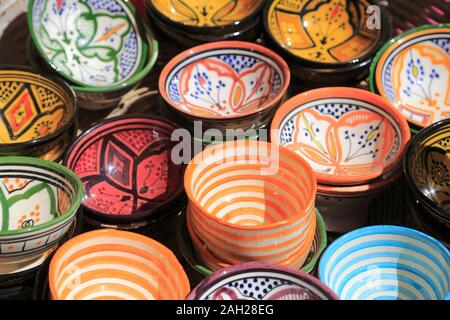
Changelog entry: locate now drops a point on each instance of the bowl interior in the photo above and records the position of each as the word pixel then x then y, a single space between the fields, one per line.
pixel 250 183
pixel 345 140
pixel 199 13
pixel 413 72
pixel 91 43
pixel 331 32
pixel 428 167
pixel 223 82
pixel 110 264
pixel 32 106
pixel 387 263
pixel 32 195
pixel 125 166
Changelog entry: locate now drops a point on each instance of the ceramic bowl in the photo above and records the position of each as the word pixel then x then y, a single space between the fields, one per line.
pixel 38 113
pixel 427 166
pixel 261 281
pixel 225 84
pixel 126 168
pixel 413 72
pixel 328 41
pixel 250 200
pixel 349 136
pixel 40 200
pixel 386 263
pixel 93 98
pixel 112 264
pixel 92 44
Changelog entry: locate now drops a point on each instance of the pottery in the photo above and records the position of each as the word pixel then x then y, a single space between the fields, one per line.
pixel 386 262
pixel 37 113
pixel 112 264
pixel 427 166
pixel 349 136
pixel 413 72
pixel 250 200
pixel 93 98
pixel 91 43
pixel 40 200
pixel 250 85
pixel 261 281
pixel 126 169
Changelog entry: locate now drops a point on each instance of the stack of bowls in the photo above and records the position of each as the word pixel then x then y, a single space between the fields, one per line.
pixel 223 85
pixel 327 42
pixel 40 201
pixel 413 72
pixel 112 264
pixel 99 47
pixel 427 171
pixel 261 281
pixel 129 178
pixel 386 262
pixel 38 114
pixel 250 201
pixel 193 22
pixel 354 141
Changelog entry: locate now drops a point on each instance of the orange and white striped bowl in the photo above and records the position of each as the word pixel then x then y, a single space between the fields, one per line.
pixel 252 201
pixel 112 264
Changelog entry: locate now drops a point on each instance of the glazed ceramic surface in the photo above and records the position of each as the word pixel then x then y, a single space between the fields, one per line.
pixel 427 168
pixel 226 79
pixel 125 166
pixel 39 200
pixel 202 13
pixel 260 281
pixel 348 136
pixel 91 42
pixel 386 263
pixel 112 264
pixel 250 200
pixel 328 32
pixel 413 72
pixel 32 107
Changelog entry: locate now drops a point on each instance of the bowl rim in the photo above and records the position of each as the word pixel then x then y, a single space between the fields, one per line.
pixel 132 217
pixel 385 32
pixel 131 17
pixel 423 134
pixel 205 29
pixel 92 235
pixel 152 55
pixel 392 43
pixel 349 93
pixel 218 45
pixel 393 229
pixel 256 266
pixel 71 118
pixel 47 165
pixel 247 143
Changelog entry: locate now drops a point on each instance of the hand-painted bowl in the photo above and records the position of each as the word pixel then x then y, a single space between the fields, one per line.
pixel 112 264
pixel 251 200
pixel 200 270
pixel 386 262
pixel 40 200
pixel 349 136
pixel 427 171
pixel 261 281
pixel 93 98
pixel 226 84
pixel 38 113
pixel 126 168
pixel 91 43
pixel 413 72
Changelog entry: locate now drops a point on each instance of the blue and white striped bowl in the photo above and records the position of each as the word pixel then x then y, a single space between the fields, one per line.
pixel 386 263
